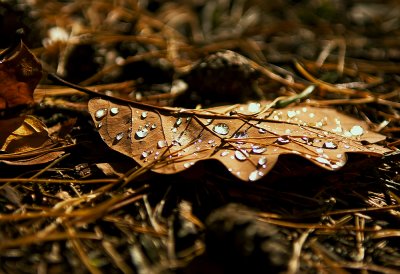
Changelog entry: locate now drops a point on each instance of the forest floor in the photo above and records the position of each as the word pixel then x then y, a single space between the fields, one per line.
pixel 78 195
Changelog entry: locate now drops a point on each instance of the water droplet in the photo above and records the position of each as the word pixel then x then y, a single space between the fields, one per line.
pixel 175 143
pixel 186 165
pixel 346 146
pixel 311 115
pixel 114 111
pixel 308 140
pixel 291 113
pixel 141 133
pixel 323 160
pixel 224 153
pixel 240 135
pixel 143 115
pixel 262 161
pixel 119 136
pixel 145 154
pixel 339 156
pixel 258 149
pixel 255 175
pixel 99 125
pixel 337 129
pixel 357 131
pixel 262 130
pixel 211 141
pixel 319 150
pixel 161 143
pixel 153 126
pixel 329 145
pixel 221 129
pixel 100 113
pixel 254 107
pixel 241 155
pixel 178 122
pixel 347 134
pixel 174 129
pixel 209 121
pixel 283 140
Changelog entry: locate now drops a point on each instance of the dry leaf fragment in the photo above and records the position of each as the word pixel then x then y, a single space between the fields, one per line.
pixel 20 72
pixel 26 141
pixel 247 139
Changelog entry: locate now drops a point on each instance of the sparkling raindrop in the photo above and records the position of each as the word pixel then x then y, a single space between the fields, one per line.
pixel 141 133
pixel 119 136
pixel 262 130
pixel 143 115
pixel 114 111
pixel 258 149
pixel 100 113
pixel 357 131
pixel 308 140
pixel 283 140
pixel 161 143
pixel 224 153
pixel 241 155
pixel 145 154
pixel 99 125
pixel 221 129
pixel 262 161
pixel 178 122
pixel 291 113
pixel 186 165
pixel 329 145
pixel 255 175
pixel 153 126
pixel 254 107
pixel 323 160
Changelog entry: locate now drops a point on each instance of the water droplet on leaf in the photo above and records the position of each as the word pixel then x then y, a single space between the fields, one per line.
pixel 178 122
pixel 141 133
pixel 153 126
pixel 283 140
pixel 143 115
pixel 241 155
pixel 254 107
pixel 161 143
pixel 262 130
pixel 323 160
pixel 119 136
pixel 114 111
pixel 357 131
pixel 262 161
pixel 258 149
pixel 255 175
pixel 221 129
pixel 224 153
pixel 329 145
pixel 100 113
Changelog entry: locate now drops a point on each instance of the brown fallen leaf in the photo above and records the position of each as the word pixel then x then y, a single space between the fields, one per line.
pixel 25 141
pixel 20 72
pixel 247 139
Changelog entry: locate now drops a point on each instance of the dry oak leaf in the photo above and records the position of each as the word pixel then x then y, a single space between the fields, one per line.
pixel 20 72
pixel 247 139
pixel 25 141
